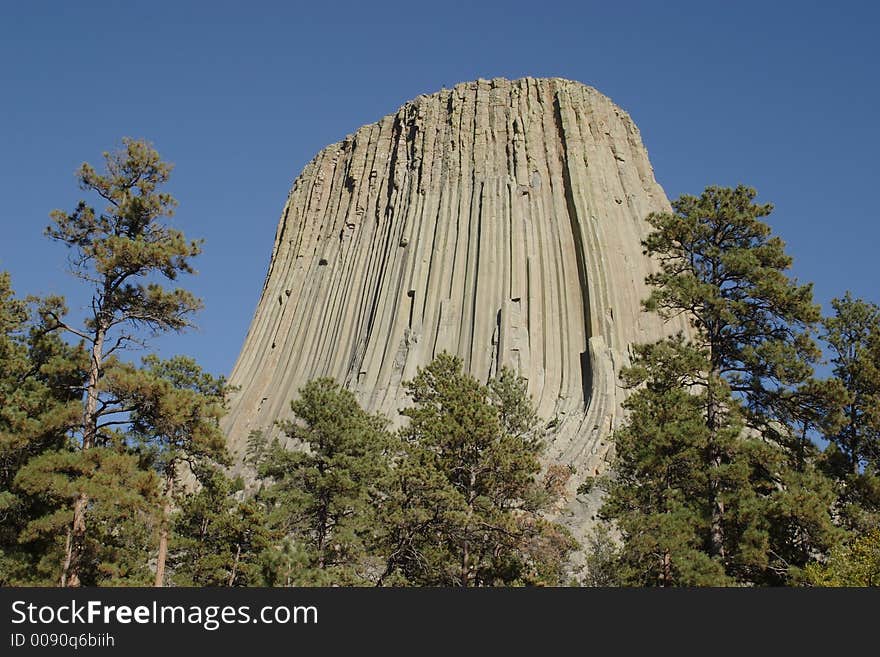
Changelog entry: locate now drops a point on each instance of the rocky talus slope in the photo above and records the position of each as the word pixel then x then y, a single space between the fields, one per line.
pixel 498 220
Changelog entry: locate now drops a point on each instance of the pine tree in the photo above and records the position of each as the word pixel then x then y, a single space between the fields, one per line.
pixel 39 378
pixel 658 494
pixel 601 559
pixel 118 253
pixel 44 473
pixel 720 265
pixel 220 537
pixel 175 418
pixel 122 501
pixel 853 338
pixel 465 505
pixel 766 507
pixel 664 487
pixel 322 496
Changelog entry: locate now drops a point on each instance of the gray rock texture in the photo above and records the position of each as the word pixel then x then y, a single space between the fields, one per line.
pixel 498 220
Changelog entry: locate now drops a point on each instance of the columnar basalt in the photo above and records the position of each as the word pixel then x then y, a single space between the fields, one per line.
pixel 498 220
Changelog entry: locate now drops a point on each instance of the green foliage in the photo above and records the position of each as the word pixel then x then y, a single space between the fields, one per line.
pixel 853 424
pixel 100 459
pixel 854 564
pixel 715 479
pixel 115 250
pixel 175 410
pixel 586 486
pixel 658 493
pixel 220 538
pixel 454 498
pixel 39 403
pixel 174 418
pixel 116 548
pixel 720 265
pixel 665 485
pixel 465 505
pixel 602 559
pixel 120 252
pixel 323 496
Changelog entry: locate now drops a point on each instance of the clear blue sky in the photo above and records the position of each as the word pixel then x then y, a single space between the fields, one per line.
pixel 782 96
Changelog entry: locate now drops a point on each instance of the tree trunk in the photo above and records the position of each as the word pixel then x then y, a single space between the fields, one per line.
pixel 465 555
pixel 666 569
pixel 464 564
pixel 323 530
pixel 854 444
pixel 72 565
pixel 163 529
pixel 716 527
pixel 68 555
pixel 234 572
pixel 76 543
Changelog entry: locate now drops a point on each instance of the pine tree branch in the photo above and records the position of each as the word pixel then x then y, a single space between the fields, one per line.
pixel 122 340
pixel 61 324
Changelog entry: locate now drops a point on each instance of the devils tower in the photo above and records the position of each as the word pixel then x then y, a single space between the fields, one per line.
pixel 498 220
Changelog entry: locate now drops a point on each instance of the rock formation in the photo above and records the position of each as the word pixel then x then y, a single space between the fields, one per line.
pixel 498 220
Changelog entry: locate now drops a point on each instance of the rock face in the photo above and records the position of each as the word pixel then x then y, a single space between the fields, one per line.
pixel 498 220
